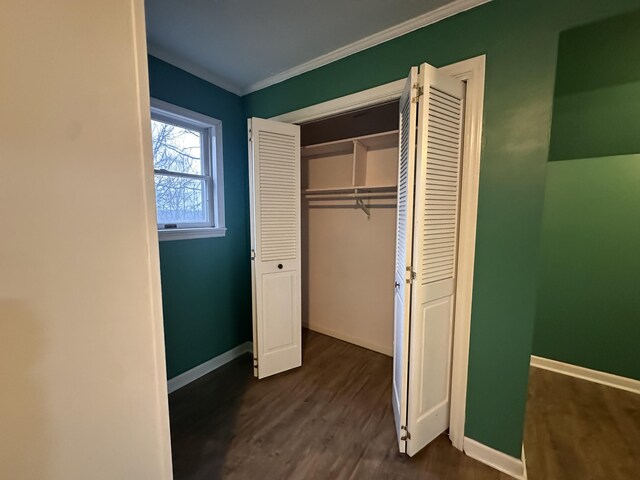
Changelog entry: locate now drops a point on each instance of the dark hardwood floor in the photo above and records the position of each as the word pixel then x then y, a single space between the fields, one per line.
pixel 329 419
pixel 579 430
pixel 332 419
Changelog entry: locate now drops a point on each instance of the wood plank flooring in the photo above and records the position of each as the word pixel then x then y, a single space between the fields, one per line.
pixel 329 419
pixel 579 430
pixel 332 419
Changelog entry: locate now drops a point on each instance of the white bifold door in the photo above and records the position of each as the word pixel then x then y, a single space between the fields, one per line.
pixel 274 181
pixel 430 140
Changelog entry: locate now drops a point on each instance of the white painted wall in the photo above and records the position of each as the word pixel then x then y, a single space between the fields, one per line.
pixel 82 379
pixel 348 260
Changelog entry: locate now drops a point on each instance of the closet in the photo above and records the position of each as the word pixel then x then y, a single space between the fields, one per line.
pixel 354 233
pixel 348 226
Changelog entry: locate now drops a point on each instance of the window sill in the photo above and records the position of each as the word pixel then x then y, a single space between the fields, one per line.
pixel 190 233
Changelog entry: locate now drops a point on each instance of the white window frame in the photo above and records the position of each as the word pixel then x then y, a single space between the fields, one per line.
pixel 211 129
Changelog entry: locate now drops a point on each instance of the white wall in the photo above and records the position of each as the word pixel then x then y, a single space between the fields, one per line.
pixel 349 260
pixel 82 382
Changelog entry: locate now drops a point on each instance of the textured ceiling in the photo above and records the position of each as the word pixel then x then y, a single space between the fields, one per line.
pixel 238 43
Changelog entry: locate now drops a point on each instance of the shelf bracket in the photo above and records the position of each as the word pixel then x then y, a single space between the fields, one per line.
pixel 360 204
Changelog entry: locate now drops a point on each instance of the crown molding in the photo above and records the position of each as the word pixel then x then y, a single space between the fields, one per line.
pixel 415 23
pixel 192 68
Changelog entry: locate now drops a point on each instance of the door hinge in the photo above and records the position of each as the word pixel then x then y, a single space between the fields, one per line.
pixel 411 274
pixel 255 362
pixel 253 254
pixel 250 134
pixel 407 435
pixel 419 93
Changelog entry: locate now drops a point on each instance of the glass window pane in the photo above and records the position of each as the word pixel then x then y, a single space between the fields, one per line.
pixel 181 200
pixel 176 149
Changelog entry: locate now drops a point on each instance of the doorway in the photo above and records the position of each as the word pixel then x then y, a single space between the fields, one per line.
pixel 472 72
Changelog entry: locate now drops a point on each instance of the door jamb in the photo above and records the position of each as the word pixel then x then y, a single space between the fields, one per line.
pixel 472 71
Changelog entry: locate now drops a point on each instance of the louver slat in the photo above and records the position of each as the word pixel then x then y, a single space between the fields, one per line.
pixel 402 192
pixel 442 187
pixel 278 196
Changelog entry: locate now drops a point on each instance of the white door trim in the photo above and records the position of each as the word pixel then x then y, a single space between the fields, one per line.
pixel 373 96
pixel 473 72
pixel 154 292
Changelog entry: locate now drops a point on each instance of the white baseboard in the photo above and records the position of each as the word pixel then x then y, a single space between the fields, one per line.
pixel 349 339
pixel 210 365
pixel 512 466
pixel 603 378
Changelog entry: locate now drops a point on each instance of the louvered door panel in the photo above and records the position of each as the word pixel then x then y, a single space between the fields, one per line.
pixel 442 183
pixel 435 230
pixel 274 174
pixel 404 241
pixel 403 178
pixel 279 193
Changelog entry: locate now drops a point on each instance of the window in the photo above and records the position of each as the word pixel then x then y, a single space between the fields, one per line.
pixel 187 160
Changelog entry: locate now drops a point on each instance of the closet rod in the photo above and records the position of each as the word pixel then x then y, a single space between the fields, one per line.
pixel 358 197
pixel 353 190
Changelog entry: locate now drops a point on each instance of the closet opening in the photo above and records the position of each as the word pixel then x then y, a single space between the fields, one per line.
pixel 349 168
pixel 356 198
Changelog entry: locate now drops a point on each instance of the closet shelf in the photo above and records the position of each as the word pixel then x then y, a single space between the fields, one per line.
pixel 375 141
pixel 351 190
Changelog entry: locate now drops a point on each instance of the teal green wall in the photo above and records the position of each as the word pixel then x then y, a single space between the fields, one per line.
pixel 589 299
pixel 589 295
pixel 520 39
pixel 597 95
pixel 206 283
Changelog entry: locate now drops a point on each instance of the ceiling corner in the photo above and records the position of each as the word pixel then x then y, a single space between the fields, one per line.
pixel 192 68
